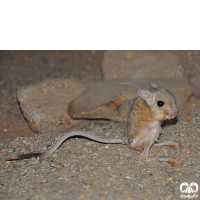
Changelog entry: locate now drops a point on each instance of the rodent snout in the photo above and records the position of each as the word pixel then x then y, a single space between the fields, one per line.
pixel 172 113
pixel 174 110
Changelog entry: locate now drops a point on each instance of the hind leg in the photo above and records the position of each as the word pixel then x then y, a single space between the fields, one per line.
pixel 145 153
pixel 171 144
pixel 171 161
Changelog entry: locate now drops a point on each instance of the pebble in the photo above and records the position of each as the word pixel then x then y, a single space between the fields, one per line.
pixel 169 179
pixel 164 150
pixel 128 177
pixel 22 173
pixel 188 151
pixel 108 184
pixel 108 134
pixel 189 118
pixel 111 197
pixel 114 176
pixel 66 179
pixel 60 164
pixel 44 148
pixel 52 169
pixel 89 143
pixel 52 165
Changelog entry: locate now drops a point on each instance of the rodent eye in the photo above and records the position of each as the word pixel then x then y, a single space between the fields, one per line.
pixel 160 103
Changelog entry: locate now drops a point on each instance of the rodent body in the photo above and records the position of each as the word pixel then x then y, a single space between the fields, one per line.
pixel 147 112
pixel 139 123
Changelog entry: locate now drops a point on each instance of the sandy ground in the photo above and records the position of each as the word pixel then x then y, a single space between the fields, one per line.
pixel 80 168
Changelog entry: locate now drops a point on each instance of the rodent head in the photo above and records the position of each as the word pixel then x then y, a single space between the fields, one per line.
pixel 161 102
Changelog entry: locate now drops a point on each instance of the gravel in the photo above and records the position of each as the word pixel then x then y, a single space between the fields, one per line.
pixel 83 169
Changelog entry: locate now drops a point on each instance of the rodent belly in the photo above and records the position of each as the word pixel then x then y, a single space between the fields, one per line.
pixel 145 139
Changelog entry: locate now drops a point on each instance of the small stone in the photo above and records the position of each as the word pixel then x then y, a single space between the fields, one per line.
pixel 128 177
pixel 169 179
pixel 140 185
pixel 164 150
pixel 188 151
pixel 66 179
pixel 44 148
pixel 111 197
pixel 108 184
pixel 89 143
pixel 189 118
pixel 52 169
pixel 59 163
pixel 52 164
pixel 22 173
pixel 108 134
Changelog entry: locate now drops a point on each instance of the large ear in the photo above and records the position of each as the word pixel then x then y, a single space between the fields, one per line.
pixel 153 85
pixel 148 96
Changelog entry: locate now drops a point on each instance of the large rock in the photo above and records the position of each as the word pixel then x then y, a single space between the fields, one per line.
pixel 195 82
pixel 141 64
pixel 44 104
pixel 112 99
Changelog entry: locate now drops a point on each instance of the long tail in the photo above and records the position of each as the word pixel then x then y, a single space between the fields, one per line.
pixel 61 140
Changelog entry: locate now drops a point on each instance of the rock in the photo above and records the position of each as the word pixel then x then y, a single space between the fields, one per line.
pixel 11 128
pixel 193 106
pixel 195 82
pixel 112 99
pixel 141 64
pixel 44 104
pixel 102 101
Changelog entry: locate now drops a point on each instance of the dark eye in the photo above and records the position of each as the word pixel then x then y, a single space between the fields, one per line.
pixel 160 103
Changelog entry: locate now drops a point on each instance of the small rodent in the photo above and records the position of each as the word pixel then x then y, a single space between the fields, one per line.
pixel 147 112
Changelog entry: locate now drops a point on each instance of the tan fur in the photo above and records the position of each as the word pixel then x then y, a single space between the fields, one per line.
pixel 145 118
